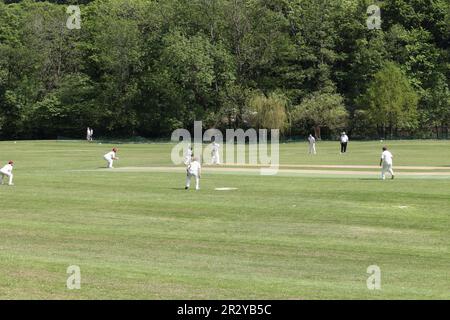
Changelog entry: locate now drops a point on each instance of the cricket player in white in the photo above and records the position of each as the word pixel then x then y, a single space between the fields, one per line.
pixel 110 157
pixel 386 163
pixel 312 144
pixel 215 158
pixel 7 171
pixel 188 156
pixel 194 169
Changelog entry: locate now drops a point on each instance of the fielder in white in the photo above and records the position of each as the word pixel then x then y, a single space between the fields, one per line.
pixel 194 169
pixel 7 171
pixel 386 163
pixel 215 157
pixel 110 157
pixel 188 156
pixel 312 144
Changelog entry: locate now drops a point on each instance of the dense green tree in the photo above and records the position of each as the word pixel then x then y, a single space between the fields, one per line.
pixel 436 108
pixel 390 101
pixel 322 109
pixel 147 67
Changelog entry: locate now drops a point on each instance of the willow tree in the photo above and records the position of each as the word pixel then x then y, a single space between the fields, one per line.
pixel 268 112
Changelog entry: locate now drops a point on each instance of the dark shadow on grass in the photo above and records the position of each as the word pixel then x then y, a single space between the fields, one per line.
pixel 182 188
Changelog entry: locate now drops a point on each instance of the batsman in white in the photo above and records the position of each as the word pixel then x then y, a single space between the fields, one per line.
pixel 215 157
pixel 194 169
pixel 312 144
pixel 7 171
pixel 386 163
pixel 110 157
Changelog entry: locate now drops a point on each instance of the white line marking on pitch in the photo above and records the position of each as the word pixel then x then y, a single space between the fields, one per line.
pixel 225 189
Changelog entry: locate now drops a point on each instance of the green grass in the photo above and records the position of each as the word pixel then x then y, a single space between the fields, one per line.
pixel 141 236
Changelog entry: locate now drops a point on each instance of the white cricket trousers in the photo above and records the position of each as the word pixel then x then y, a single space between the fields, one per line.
pixel 312 148
pixel 110 162
pixel 387 167
pixel 188 180
pixel 10 175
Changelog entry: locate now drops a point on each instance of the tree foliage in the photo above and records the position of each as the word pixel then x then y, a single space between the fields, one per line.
pixel 268 112
pixel 322 109
pixel 147 67
pixel 391 100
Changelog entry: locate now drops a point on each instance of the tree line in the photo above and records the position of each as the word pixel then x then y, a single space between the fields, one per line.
pixel 147 67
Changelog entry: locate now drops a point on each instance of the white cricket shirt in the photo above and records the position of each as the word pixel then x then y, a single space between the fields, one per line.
pixel 215 147
pixel 194 168
pixel 110 155
pixel 386 156
pixel 8 168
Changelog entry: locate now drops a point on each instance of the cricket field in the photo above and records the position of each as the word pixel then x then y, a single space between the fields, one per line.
pixel 310 232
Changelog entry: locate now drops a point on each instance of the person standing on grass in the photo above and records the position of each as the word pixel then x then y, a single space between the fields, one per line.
pixel 91 135
pixel 344 142
pixel 88 134
pixel 110 157
pixel 7 171
pixel 312 144
pixel 188 156
pixel 386 163
pixel 194 169
pixel 215 157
